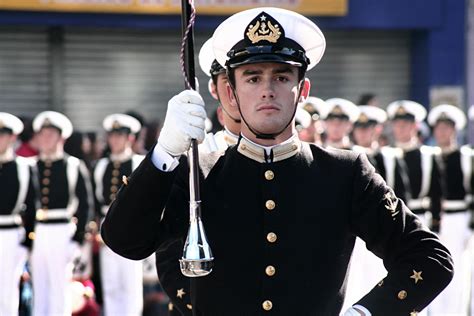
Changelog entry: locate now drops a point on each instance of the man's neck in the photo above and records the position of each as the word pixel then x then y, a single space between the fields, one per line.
pixel 287 134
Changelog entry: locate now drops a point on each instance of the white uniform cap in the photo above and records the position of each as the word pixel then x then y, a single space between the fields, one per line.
pixel 406 109
pixel 446 112
pixel 338 107
pixel 207 61
pixel 370 114
pixel 121 123
pixel 10 123
pixel 268 35
pixel 314 106
pixel 55 120
pixel 302 117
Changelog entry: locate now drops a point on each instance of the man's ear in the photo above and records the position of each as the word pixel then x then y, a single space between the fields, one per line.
pixel 212 89
pixel 306 86
pixel 231 95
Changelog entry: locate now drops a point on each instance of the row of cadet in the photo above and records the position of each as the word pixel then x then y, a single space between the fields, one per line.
pixel 48 202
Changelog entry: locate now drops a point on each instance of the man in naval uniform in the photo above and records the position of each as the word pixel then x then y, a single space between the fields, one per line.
pixel 279 248
pixel 314 132
pixel 456 170
pixel 339 116
pixel 17 213
pixel 419 171
pixel 366 268
pixel 229 115
pixel 122 279
pixel 65 201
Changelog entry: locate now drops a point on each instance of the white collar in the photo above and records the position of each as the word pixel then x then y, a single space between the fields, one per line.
pixel 278 152
pixel 57 155
pixel 123 156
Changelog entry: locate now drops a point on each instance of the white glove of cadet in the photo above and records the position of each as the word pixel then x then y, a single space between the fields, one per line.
pixel 184 121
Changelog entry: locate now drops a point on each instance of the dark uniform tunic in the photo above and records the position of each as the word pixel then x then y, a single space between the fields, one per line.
pixel 54 194
pixel 409 180
pixel 279 247
pixel 9 188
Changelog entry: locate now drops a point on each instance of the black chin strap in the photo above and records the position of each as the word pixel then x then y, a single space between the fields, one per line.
pixel 266 135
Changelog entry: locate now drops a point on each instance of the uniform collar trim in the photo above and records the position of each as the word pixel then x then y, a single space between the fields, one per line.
pixel 58 155
pixel 230 138
pixel 264 154
pixel 123 156
pixel 408 146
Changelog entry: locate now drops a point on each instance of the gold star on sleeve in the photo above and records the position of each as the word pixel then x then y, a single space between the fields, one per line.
pixel 180 293
pixel 416 276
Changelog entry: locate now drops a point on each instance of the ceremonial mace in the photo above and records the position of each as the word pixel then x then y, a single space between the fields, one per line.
pixel 197 257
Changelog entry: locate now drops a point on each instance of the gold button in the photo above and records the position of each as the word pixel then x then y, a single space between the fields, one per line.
pixel 269 175
pixel 45 181
pixel 47 172
pixel 45 191
pixel 112 197
pixel 113 189
pixel 40 215
pixel 271 237
pixel 189 306
pixel 31 236
pixel 115 173
pixel 270 270
pixel 402 294
pixel 270 205
pixel 267 305
pixel 44 200
pixel 114 180
pixel 243 147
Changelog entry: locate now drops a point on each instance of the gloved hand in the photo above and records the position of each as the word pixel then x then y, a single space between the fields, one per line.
pixel 184 121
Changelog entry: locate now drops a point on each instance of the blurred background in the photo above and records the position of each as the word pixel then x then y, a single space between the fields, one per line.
pixel 89 58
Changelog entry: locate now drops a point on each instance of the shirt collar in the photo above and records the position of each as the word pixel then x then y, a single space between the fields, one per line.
pixel 267 154
pixel 57 155
pixel 123 156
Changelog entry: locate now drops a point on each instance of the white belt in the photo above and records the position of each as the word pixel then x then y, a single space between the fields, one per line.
pixel 10 219
pixel 454 205
pixel 57 213
pixel 417 204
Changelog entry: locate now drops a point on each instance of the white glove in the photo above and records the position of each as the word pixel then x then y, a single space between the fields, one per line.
pixel 357 312
pixel 184 121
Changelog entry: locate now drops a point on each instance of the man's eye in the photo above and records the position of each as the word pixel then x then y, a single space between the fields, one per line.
pixel 252 79
pixel 282 79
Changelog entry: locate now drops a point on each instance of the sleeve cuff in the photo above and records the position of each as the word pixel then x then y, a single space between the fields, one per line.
pixel 162 160
pixel 355 312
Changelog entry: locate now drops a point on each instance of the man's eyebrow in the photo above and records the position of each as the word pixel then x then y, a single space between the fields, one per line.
pixel 283 69
pixel 250 72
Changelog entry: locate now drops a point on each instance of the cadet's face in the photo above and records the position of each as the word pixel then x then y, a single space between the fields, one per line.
pixel 267 94
pixel 118 142
pixel 444 133
pixel 49 139
pixel 403 130
pixel 6 140
pixel 231 112
pixel 363 136
pixel 337 129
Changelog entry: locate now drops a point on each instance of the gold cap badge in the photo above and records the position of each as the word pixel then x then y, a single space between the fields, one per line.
pixel 263 28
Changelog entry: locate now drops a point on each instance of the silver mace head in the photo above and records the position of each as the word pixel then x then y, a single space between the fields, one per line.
pixel 197 258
